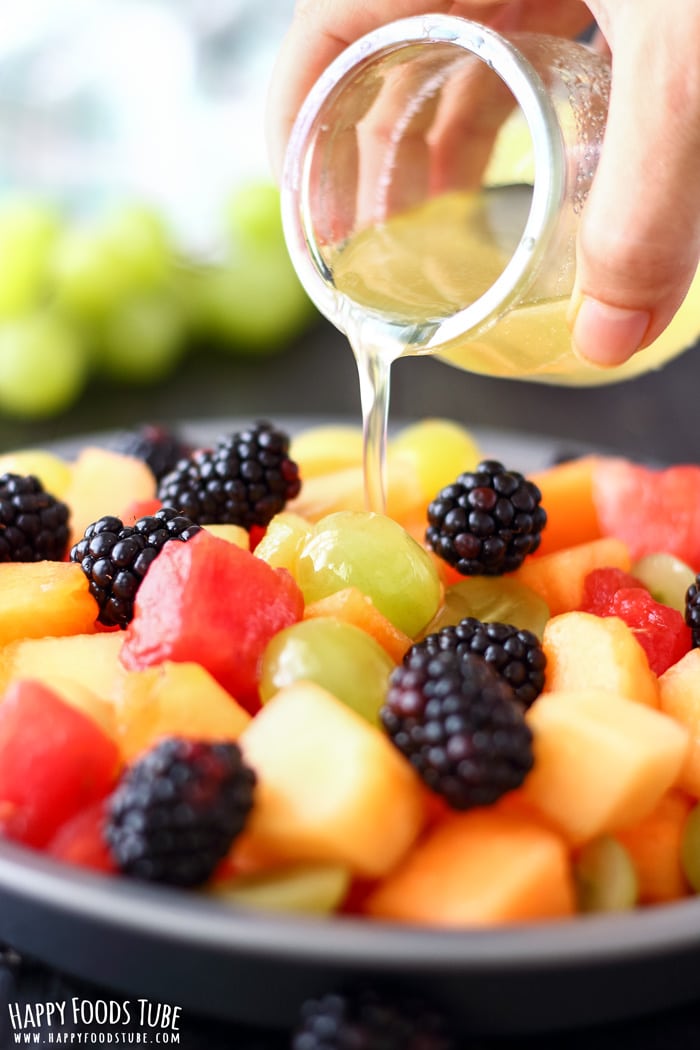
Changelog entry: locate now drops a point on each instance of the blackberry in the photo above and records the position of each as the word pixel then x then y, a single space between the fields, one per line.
pixel 115 558
pixel 692 611
pixel 245 480
pixel 33 523
pixel 487 521
pixel 160 447
pixel 459 724
pixel 516 654
pixel 176 811
pixel 366 1019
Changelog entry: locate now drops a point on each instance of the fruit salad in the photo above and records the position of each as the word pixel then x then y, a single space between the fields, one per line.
pixel 219 672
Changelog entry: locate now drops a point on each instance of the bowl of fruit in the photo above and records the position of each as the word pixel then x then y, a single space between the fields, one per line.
pixel 253 736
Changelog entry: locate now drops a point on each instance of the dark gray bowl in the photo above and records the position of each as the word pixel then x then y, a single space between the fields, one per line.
pixel 207 957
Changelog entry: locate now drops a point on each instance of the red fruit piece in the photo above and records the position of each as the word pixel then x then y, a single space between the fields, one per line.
pixel 650 510
pixel 660 630
pixel 54 761
pixel 214 603
pixel 600 587
pixel 80 841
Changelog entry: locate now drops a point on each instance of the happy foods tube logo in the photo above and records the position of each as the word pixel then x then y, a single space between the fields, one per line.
pixel 91 1022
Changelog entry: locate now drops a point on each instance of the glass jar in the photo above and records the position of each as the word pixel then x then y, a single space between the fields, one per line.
pixel 433 190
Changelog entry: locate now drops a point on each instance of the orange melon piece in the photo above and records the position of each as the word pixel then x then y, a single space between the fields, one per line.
pixel 89 659
pixel 679 697
pixel 592 652
pixel 481 868
pixel 655 848
pixel 602 762
pixel 174 699
pixel 558 577
pixel 567 497
pixel 331 787
pixel 105 482
pixel 352 606
pixel 44 598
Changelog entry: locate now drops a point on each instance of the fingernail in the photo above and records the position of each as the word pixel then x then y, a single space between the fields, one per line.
pixel 607 335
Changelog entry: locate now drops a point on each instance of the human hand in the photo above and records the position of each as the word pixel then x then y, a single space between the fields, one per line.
pixel 639 242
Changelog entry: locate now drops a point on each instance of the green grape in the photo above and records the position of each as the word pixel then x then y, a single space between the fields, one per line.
pixel 376 555
pixel 605 877
pixel 140 237
pixel 309 889
pixel 253 304
pixel 143 341
pixel 28 229
pixel 96 268
pixel 690 848
pixel 43 366
pixel 253 216
pixel 87 275
pixel 666 577
pixel 492 599
pixel 342 658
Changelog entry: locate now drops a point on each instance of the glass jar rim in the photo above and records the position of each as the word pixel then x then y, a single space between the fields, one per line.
pixel 507 61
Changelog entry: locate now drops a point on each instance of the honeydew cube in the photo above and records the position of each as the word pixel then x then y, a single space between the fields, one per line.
pixel 44 598
pixel 481 868
pixel 53 472
pixel 602 762
pixel 344 489
pixel 679 697
pixel 89 659
pixel 593 652
pixel 325 448
pixel 174 699
pixel 233 533
pixel 331 787
pixel 105 482
pixel 284 537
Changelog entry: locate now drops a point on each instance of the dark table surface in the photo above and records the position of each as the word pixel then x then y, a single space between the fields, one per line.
pixel 654 418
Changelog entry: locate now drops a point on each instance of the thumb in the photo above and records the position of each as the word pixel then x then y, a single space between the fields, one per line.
pixel 639 242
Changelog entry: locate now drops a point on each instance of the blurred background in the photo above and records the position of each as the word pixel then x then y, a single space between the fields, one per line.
pixel 143 271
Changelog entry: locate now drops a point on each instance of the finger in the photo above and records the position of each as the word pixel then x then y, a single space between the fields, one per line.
pixel 639 242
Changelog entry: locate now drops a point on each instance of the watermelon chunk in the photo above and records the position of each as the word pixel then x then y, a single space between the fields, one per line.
pixel 659 629
pixel 211 602
pixel 54 762
pixel 650 510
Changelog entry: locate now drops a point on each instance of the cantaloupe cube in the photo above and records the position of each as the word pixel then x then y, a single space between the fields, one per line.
pixel 105 482
pixel 331 787
pixel 480 868
pixel 654 846
pixel 679 697
pixel 90 659
pixel 593 652
pixel 567 496
pixel 558 577
pixel 44 598
pixel 602 762
pixel 352 606
pixel 174 699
